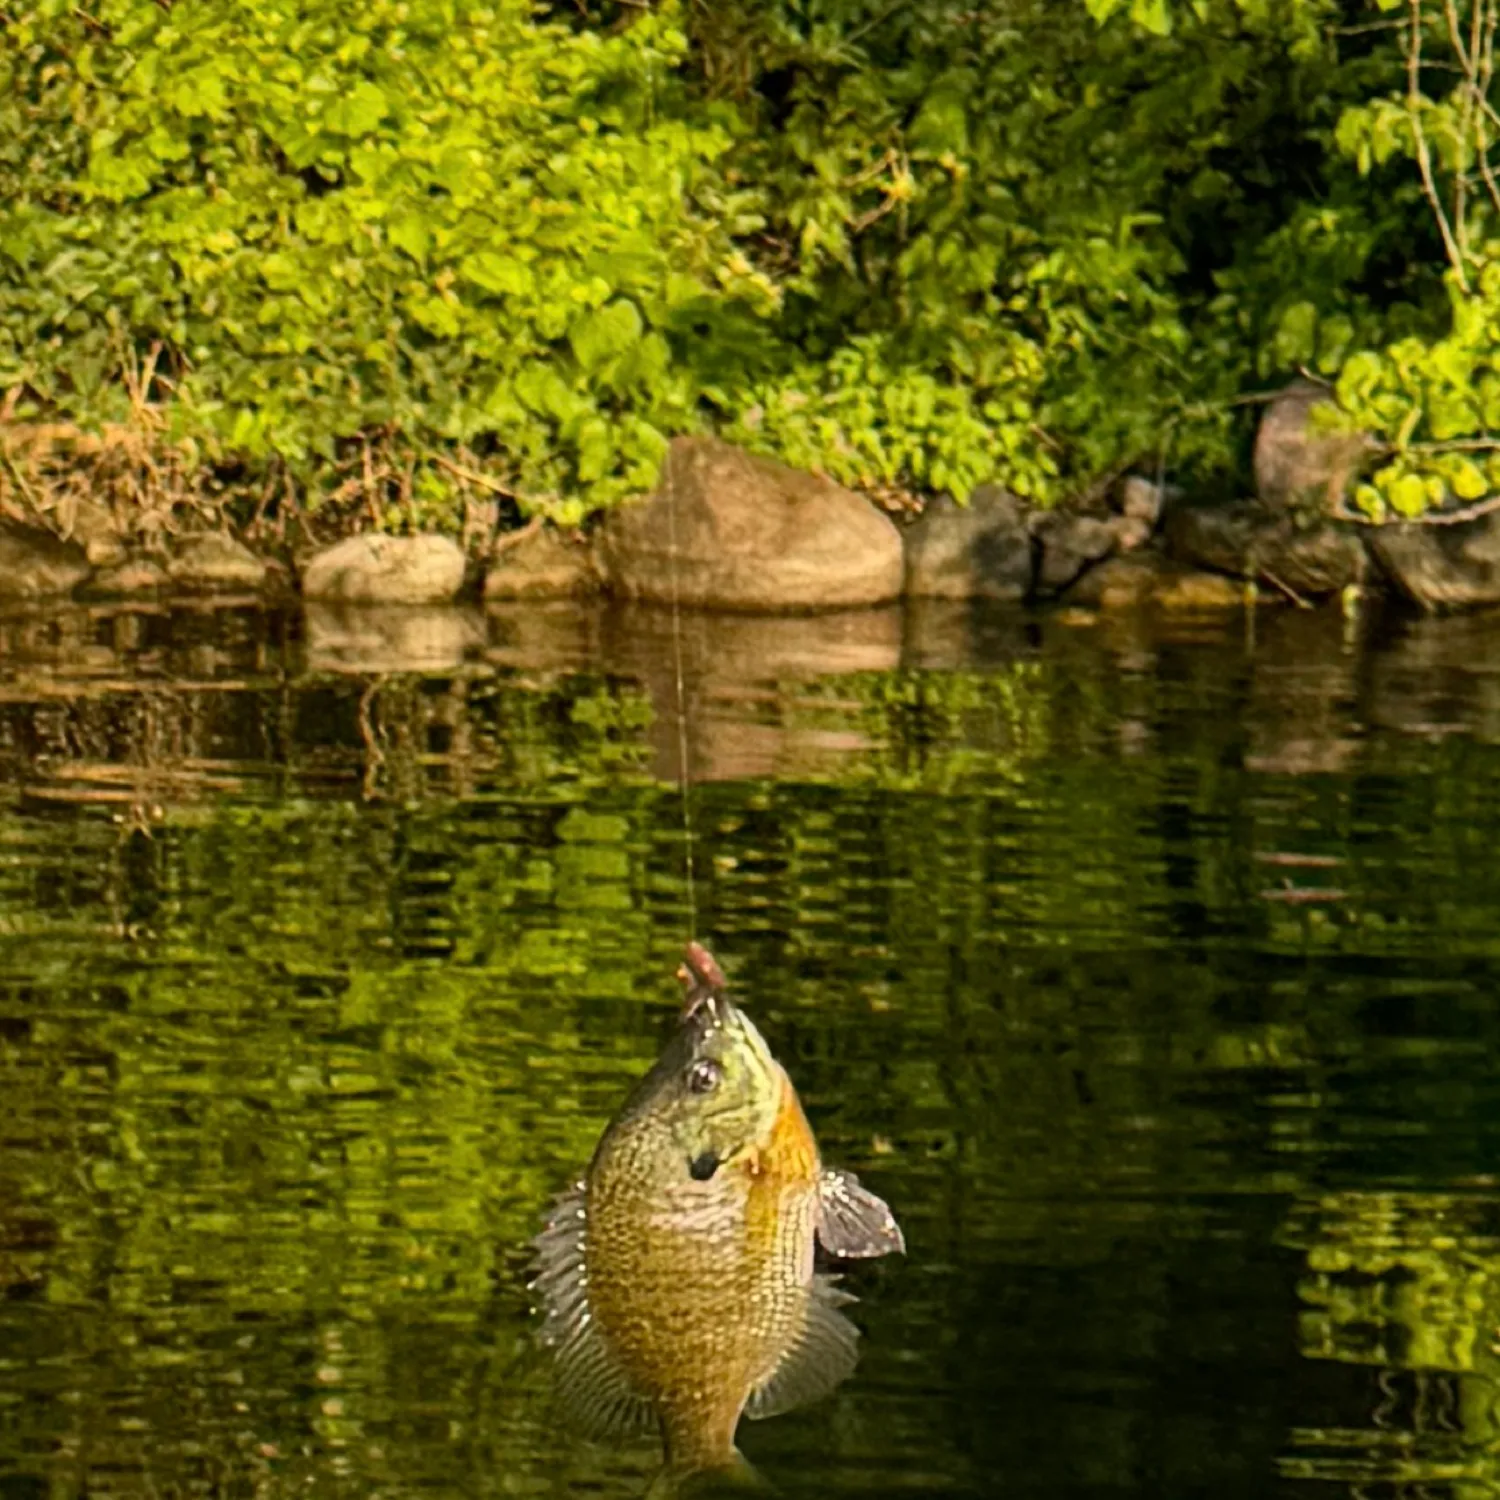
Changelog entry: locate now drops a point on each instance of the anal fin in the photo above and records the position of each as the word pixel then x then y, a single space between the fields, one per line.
pixel 821 1358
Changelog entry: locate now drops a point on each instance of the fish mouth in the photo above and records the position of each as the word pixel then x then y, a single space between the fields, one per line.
pixel 706 1008
pixel 704 979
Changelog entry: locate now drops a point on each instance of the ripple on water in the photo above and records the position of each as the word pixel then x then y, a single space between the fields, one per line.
pixel 1148 970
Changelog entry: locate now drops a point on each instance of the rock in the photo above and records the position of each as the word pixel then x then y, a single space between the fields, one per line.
pixel 1298 467
pixel 93 526
pixel 541 564
pixel 34 564
pixel 1130 532
pixel 1190 590
pixel 1069 545
pixel 1455 566
pixel 1147 579
pixel 376 569
pixel 137 575
pixel 981 550
pixel 750 534
pixel 1248 541
pixel 1119 582
pixel 210 562
pixel 1141 499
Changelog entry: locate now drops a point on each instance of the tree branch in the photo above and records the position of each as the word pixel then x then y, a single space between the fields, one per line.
pixel 1414 103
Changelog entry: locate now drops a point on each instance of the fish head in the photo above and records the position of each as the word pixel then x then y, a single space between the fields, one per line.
pixel 720 1087
pixel 715 1093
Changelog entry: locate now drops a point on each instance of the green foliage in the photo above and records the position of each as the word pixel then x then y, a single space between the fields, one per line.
pixel 875 427
pixel 1431 398
pixel 1086 233
pixel 434 250
pixel 440 222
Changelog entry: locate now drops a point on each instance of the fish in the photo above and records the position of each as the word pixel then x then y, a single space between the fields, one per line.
pixel 678 1281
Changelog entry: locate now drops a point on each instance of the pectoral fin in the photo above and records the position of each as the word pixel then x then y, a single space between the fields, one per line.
pixel 594 1391
pixel 852 1222
pixel 819 1359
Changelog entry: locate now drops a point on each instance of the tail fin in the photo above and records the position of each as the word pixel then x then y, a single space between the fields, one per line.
pixel 737 1479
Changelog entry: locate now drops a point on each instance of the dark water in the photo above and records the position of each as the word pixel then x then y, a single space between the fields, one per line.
pixel 1151 971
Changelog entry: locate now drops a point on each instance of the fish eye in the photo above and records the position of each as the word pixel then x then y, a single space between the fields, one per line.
pixel 705 1076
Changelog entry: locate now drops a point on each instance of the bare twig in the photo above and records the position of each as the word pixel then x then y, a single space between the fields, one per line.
pixel 1285 588
pixel 1466 57
pixel 1414 102
pixel 511 539
pixel 472 477
pixel 1427 518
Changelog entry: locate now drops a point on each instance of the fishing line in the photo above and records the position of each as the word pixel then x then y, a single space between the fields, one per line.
pixel 682 731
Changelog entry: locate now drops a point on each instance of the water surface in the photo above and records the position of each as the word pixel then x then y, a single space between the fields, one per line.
pixel 1148 969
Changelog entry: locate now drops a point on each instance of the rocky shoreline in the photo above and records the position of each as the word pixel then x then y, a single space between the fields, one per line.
pixel 728 530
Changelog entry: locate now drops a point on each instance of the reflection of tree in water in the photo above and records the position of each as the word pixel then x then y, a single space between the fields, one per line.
pixel 1408 1284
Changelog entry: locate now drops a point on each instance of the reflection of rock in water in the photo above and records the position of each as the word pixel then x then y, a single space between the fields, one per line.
pixel 741 703
pixel 351 638
pixel 1304 694
pixel 544 635
pixel 1434 677
pixel 1409 1284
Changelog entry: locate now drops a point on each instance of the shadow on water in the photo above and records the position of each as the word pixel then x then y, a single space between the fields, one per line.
pixel 1148 968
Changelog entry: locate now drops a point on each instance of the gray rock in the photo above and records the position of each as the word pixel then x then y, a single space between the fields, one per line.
pixel 210 562
pixel 34 564
pixel 1141 499
pixel 1243 538
pixel 981 550
pixel 728 530
pixel 376 569
pixel 541 564
pixel 1070 545
pixel 1131 532
pixel 1455 566
pixel 1300 468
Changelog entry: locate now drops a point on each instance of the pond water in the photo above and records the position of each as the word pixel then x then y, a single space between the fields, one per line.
pixel 1147 968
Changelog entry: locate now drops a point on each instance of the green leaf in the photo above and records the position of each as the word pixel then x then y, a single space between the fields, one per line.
pixel 1408 495
pixel 1468 481
pixel 494 272
pixel 601 336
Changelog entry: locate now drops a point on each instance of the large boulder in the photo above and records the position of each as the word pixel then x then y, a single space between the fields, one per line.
pixel 376 569
pixel 726 529
pixel 541 563
pixel 981 550
pixel 1453 566
pixel 210 562
pixel 34 564
pixel 1298 464
pixel 1305 558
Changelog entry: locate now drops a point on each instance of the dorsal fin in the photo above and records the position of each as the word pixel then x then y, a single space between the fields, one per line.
pixel 852 1222
pixel 595 1393
pixel 820 1358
